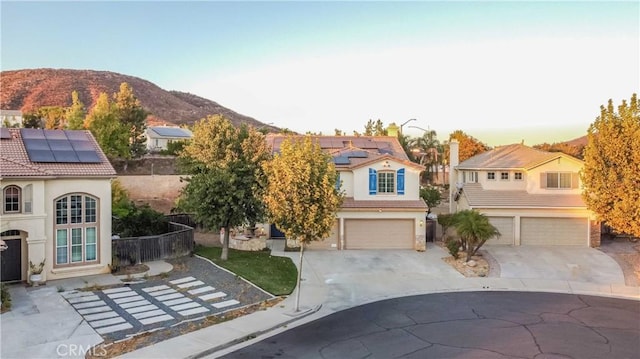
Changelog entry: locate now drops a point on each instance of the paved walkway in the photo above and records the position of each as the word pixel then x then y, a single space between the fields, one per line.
pixel 317 300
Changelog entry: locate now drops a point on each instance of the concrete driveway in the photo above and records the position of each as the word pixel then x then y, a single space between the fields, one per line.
pixel 576 264
pixel 355 277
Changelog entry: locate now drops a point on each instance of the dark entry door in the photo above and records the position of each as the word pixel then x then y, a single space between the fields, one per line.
pixel 11 261
pixel 275 232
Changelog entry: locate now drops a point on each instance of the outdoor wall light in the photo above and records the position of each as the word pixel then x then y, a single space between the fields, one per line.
pixel 421 223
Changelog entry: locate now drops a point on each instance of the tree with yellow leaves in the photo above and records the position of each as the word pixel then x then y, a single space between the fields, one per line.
pixel 611 174
pixel 302 196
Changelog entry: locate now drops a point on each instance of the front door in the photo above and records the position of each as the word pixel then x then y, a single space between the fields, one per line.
pixel 11 261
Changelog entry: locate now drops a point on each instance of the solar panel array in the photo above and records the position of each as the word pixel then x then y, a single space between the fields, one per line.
pixel 4 133
pixel 339 160
pixel 171 132
pixel 59 146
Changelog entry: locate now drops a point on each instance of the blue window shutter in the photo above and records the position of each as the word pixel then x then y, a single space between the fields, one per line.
pixel 401 181
pixel 338 182
pixel 373 181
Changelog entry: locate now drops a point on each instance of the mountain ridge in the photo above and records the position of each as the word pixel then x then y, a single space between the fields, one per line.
pixel 29 89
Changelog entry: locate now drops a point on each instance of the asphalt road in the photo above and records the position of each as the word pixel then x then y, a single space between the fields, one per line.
pixel 466 325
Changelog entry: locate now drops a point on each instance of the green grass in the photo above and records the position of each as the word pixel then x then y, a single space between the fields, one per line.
pixel 276 275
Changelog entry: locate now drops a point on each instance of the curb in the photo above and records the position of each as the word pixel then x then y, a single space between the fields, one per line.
pixel 253 335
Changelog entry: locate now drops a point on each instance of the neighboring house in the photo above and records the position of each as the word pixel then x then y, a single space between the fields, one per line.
pixel 159 138
pixel 10 118
pixel 533 197
pixel 382 208
pixel 56 203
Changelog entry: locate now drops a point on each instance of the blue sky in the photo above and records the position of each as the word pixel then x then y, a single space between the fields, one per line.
pixel 500 71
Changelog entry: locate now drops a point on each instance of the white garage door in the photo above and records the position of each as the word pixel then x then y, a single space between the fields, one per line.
pixel 379 233
pixel 506 228
pixel 328 243
pixel 550 231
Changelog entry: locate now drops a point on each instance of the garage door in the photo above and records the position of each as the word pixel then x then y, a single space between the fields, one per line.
pixel 327 242
pixel 379 233
pixel 506 228
pixel 550 231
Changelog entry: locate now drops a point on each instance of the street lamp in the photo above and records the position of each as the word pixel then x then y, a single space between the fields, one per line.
pixel 405 122
pixel 420 128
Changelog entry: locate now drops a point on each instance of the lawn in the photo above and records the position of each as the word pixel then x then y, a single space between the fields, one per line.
pixel 276 275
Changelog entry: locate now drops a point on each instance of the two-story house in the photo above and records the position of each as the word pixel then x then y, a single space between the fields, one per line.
pixel 533 197
pixel 382 207
pixel 56 203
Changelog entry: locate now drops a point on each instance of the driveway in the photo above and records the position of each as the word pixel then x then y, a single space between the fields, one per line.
pixel 355 277
pixel 576 264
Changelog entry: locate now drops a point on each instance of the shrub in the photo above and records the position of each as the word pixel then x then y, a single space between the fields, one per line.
pixel 136 221
pixel 453 246
pixel 5 297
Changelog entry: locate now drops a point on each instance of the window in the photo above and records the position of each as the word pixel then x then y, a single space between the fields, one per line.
pixel 386 182
pixel 560 180
pixel 491 176
pixel 504 176
pixel 76 229
pixel 12 199
pixel 517 176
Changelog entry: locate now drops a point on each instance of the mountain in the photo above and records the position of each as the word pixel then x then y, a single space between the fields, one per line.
pixel 30 89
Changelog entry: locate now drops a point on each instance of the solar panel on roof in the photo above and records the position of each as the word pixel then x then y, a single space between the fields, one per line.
pixel 4 133
pixel 60 145
pixel 88 157
pixel 81 145
pixel 32 133
pixel 171 132
pixel 66 156
pixel 76 135
pixel 36 144
pixel 55 135
pixel 385 151
pixel 355 154
pixel 341 160
pixel 41 156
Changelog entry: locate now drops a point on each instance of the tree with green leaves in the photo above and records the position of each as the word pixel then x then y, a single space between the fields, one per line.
pixel 445 220
pixel 75 113
pixel 427 151
pixel 468 146
pixel 474 229
pixel 228 181
pixel 301 196
pixel 111 134
pixel 133 116
pixel 53 117
pixel 31 120
pixel 431 196
pixel 611 174
pixel 376 128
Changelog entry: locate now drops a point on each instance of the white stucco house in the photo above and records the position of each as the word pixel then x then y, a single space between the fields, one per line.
pixel 382 207
pixel 56 203
pixel 532 196
pixel 159 137
pixel 10 118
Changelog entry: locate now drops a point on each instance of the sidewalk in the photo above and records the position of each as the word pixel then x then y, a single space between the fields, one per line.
pixel 229 336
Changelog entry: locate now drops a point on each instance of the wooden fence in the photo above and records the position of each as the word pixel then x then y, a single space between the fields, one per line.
pixel 177 242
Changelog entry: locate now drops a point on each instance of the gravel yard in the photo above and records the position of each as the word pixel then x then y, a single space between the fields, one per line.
pixel 627 254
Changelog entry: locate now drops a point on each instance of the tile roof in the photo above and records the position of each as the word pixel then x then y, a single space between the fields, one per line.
pixel 351 203
pixel 373 148
pixel 482 198
pixel 15 163
pixel 516 156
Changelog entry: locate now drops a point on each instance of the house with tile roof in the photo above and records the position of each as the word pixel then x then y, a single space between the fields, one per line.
pixel 532 196
pixel 56 203
pixel 382 207
pixel 159 137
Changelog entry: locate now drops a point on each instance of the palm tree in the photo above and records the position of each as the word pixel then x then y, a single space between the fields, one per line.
pixel 474 230
pixel 427 146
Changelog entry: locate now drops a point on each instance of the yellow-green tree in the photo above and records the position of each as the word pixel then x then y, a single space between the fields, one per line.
pixel 111 134
pixel 53 117
pixel 228 181
pixel 133 116
pixel 302 196
pixel 611 174
pixel 75 113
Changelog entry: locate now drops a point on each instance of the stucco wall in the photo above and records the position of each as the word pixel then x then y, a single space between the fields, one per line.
pixel 361 182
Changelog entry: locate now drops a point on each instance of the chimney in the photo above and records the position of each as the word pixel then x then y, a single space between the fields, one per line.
pixel 453 173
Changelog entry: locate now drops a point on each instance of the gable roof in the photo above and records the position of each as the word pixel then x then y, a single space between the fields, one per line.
pixel 516 156
pixel 353 151
pixel 482 198
pixel 15 162
pixel 169 132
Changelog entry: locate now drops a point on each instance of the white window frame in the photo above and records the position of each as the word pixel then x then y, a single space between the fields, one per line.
pixel 75 223
pixel 491 176
pixel 558 182
pixel 5 196
pixel 502 176
pixel 384 177
pixel 516 175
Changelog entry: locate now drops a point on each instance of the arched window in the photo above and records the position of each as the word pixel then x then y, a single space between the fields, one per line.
pixel 11 199
pixel 76 229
